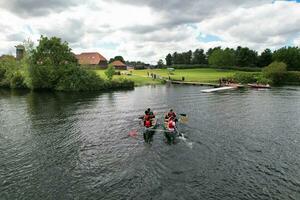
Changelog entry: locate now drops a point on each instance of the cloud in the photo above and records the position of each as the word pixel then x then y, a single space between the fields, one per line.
pixel 70 30
pixel 268 25
pixel 148 30
pixel 27 8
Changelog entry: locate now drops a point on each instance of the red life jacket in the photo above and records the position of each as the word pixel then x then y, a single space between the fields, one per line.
pixel 170 124
pixel 147 117
pixel 147 123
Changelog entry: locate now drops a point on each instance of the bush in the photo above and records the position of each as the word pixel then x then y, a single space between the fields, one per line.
pixel 78 79
pixel 119 84
pixel 275 72
pixel 110 72
pixel 41 77
pixel 246 77
pixel 292 77
pixel 17 80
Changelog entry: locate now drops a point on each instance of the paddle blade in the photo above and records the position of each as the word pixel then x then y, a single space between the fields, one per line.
pixel 184 119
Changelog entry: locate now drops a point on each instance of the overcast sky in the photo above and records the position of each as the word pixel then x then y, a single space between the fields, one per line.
pixel 149 29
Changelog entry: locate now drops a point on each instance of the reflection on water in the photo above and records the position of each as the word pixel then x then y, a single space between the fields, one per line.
pixel 240 145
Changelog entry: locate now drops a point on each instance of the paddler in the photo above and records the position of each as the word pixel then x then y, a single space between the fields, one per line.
pixel 147 119
pixel 171 124
pixel 150 113
pixel 172 114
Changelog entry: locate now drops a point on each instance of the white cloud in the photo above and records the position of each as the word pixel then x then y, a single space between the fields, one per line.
pixel 148 30
pixel 269 25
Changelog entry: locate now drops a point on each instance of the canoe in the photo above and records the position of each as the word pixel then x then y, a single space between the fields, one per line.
pixel 259 86
pixel 149 132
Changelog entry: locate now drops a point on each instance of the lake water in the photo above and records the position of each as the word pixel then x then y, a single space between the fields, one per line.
pixel 240 145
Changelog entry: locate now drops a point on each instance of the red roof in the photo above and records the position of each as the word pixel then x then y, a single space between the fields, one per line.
pixel 118 63
pixel 91 58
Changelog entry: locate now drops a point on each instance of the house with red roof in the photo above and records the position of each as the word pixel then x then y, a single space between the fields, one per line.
pixel 92 59
pixel 119 65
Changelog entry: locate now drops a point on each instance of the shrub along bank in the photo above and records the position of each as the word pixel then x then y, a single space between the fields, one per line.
pixel 52 66
pixel 275 74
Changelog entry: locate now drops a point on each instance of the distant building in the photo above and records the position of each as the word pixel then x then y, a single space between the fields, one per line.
pixel 119 65
pixel 20 49
pixel 93 59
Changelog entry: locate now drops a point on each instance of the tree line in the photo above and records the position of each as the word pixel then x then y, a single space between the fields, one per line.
pixel 239 57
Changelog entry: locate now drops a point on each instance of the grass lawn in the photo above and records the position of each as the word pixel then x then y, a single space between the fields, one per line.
pixel 205 75
pixel 138 79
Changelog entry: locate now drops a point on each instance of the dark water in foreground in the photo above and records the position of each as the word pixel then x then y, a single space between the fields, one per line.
pixel 241 145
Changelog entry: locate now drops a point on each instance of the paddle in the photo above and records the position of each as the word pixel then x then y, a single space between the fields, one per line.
pixel 183 119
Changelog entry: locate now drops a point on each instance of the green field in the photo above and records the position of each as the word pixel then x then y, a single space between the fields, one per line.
pixel 138 79
pixel 204 75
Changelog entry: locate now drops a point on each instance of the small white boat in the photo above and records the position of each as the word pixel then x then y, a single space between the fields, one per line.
pixel 218 89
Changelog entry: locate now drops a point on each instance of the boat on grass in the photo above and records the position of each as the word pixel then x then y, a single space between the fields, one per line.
pixel 262 86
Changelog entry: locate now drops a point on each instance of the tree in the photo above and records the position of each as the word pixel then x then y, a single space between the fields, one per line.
pixel 265 58
pixel 245 57
pixel 199 57
pixel 52 51
pixel 160 63
pixel 188 57
pixel 120 58
pixel 110 72
pixel 275 71
pixel 211 50
pixel 175 58
pixel 290 56
pixel 221 57
pixel 169 60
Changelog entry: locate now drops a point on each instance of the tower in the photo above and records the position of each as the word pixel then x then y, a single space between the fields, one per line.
pixel 20 49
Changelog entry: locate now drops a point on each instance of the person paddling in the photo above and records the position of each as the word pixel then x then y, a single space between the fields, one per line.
pixel 171 124
pixel 150 113
pixel 171 113
pixel 147 120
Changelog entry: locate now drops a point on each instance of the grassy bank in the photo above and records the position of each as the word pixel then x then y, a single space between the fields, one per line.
pixel 207 75
pixel 138 79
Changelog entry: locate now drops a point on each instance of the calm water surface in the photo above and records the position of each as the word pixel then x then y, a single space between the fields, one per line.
pixel 240 145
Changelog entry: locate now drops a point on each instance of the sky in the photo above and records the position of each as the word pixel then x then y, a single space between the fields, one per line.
pixel 147 30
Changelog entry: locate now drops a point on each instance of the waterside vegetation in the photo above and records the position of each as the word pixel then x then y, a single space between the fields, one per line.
pixel 52 66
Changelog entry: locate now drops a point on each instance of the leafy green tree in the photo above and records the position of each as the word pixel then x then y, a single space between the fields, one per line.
pixel 221 57
pixel 199 57
pixel 211 50
pixel 288 55
pixel 160 63
pixel 120 58
pixel 265 58
pixel 169 60
pixel 110 72
pixel 275 72
pixel 11 72
pixel 52 51
pixel 245 57
pixel 175 58
pixel 187 57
